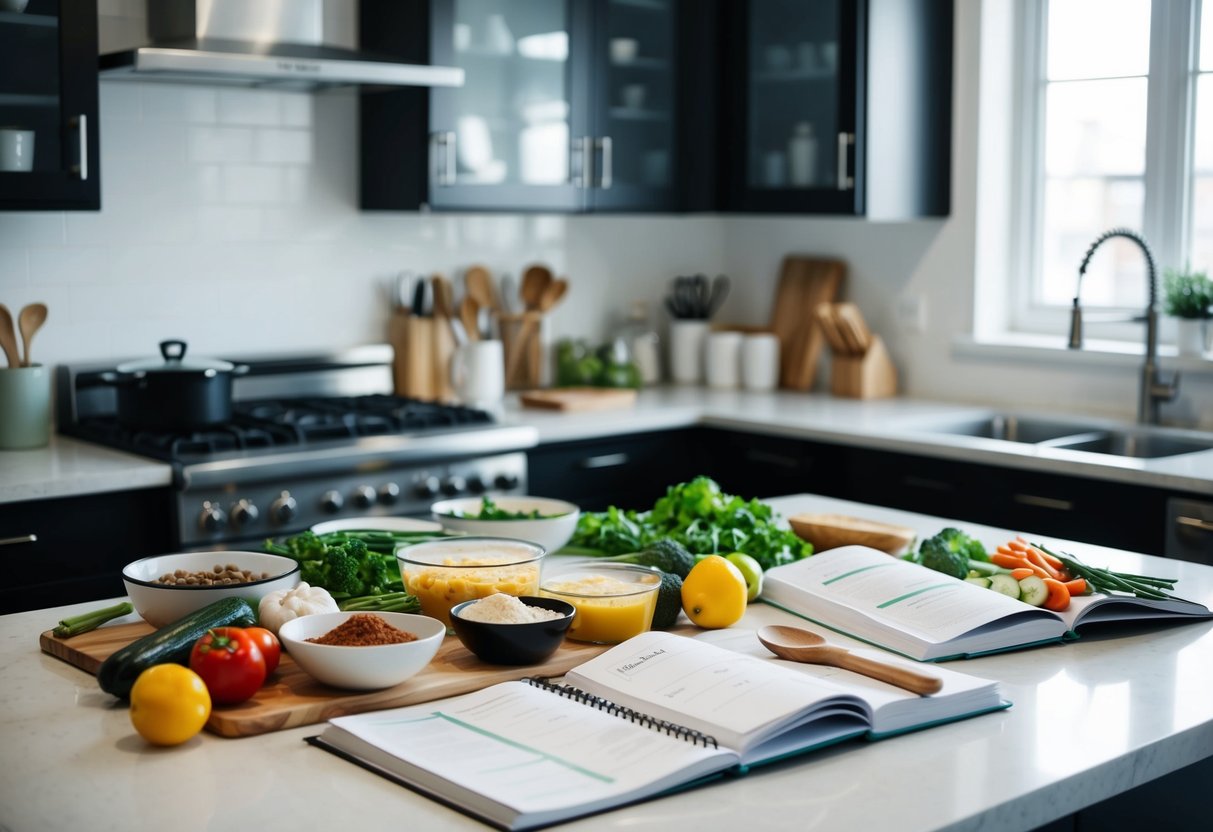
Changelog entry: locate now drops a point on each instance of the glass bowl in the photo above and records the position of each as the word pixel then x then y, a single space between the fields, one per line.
pixel 443 573
pixel 614 601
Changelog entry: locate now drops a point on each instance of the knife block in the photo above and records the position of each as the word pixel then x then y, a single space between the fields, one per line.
pixel 421 365
pixel 523 348
pixel 870 375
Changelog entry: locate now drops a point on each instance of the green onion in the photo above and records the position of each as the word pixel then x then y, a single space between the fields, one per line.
pixel 78 624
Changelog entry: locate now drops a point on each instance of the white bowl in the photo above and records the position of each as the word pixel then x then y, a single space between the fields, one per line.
pixel 549 532
pixel 362 668
pixel 162 604
pixel 376 524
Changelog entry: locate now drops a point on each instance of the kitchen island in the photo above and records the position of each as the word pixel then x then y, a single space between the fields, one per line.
pixel 1090 720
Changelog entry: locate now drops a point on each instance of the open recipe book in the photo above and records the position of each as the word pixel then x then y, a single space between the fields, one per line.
pixel 929 616
pixel 657 713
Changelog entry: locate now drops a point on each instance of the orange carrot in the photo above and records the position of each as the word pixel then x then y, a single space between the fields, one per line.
pixel 1077 587
pixel 1018 545
pixel 1004 549
pixel 1052 560
pixel 1022 572
pixel 1010 561
pixel 1036 559
pixel 1059 595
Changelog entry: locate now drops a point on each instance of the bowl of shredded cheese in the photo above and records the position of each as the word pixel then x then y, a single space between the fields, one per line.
pixel 445 572
pixel 502 629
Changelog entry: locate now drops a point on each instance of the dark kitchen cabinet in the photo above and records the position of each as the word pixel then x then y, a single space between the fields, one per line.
pixel 751 465
pixel 48 99
pixel 838 107
pixel 80 545
pixel 567 105
pixel 630 471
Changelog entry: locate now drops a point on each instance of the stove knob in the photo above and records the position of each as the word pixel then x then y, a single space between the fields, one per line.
pixel 244 513
pixel 284 509
pixel 364 496
pixel 476 484
pixel 453 485
pixel 427 488
pixel 506 481
pixel 389 493
pixel 212 518
pixel 332 501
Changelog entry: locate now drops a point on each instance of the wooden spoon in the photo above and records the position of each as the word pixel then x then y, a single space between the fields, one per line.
pixel 799 645
pixel 535 281
pixel 479 285
pixel 30 320
pixel 552 294
pixel 469 312
pixel 8 337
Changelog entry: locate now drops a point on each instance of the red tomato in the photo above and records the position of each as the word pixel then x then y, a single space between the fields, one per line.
pixel 231 664
pixel 270 648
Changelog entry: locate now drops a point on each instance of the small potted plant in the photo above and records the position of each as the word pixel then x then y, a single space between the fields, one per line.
pixel 1188 296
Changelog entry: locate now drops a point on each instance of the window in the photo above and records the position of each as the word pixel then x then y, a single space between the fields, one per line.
pixel 1115 129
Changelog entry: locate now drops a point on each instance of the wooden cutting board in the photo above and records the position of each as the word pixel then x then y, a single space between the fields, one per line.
pixel 578 398
pixel 804 284
pixel 291 698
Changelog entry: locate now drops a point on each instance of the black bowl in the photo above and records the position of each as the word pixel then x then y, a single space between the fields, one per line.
pixel 514 643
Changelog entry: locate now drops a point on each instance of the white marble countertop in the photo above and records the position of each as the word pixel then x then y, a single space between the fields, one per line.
pixel 68 466
pixel 1090 720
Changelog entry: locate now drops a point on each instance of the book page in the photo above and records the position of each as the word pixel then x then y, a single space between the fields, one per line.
pixel 738 699
pixel 908 597
pixel 530 749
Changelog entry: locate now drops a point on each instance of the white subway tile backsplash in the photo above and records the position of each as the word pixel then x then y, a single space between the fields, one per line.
pixel 252 184
pixel 229 223
pixel 252 107
pixel 220 144
pixel 14 270
pixel 69 265
pixel 296 109
pixel 35 228
pixel 283 147
pixel 119 99
pixel 179 102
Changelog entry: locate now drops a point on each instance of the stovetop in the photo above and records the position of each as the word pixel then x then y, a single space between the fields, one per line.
pixel 279 423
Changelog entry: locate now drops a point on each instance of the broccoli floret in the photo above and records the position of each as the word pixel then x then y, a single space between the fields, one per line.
pixel 342 570
pixel 666 554
pixel 950 552
pixel 306 546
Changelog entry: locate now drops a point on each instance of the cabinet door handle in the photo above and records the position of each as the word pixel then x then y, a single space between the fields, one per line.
pixel 443 143
pixel 581 162
pixel 1182 520
pixel 771 458
pixel 25 538
pixel 845 141
pixel 604 461
pixel 80 122
pixel 604 146
pixel 1043 502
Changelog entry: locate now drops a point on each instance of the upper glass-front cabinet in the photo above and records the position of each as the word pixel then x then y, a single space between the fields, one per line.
pixel 48 105
pixel 512 135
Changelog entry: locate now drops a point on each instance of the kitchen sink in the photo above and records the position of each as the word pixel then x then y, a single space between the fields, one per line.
pixel 1137 444
pixel 1012 428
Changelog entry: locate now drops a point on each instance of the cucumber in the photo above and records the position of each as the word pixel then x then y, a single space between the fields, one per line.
pixel 1032 590
pixel 1005 585
pixel 977 580
pixel 171 644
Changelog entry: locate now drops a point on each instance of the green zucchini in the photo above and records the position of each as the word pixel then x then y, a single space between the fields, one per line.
pixel 171 644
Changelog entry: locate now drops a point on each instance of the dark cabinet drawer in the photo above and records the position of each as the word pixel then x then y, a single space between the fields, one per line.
pixel 80 546
pixel 770 466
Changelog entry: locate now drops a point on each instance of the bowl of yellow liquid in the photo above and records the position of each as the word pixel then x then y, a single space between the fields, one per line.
pixel 443 573
pixel 613 601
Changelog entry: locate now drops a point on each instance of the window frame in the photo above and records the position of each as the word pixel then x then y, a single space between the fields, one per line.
pixel 1167 178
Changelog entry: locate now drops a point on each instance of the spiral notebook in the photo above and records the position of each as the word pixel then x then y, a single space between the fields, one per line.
pixel 658 713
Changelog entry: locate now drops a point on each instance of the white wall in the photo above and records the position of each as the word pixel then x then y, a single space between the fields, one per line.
pixel 229 218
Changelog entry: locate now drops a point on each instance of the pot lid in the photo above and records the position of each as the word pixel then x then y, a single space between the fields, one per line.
pixel 174 361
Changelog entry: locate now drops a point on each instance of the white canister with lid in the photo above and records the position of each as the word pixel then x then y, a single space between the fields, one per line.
pixel 722 359
pixel 760 361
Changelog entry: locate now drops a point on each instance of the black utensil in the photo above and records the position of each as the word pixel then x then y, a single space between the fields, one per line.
pixel 720 291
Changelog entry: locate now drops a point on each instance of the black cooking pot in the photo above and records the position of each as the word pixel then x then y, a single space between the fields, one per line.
pixel 172 393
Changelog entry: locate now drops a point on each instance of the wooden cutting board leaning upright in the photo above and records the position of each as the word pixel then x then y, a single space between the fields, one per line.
pixel 804 283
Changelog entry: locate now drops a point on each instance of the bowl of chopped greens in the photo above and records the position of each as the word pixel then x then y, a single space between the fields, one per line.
pixel 541 520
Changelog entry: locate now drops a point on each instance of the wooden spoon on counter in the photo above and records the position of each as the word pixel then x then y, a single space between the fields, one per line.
pixel 8 337
pixel 799 645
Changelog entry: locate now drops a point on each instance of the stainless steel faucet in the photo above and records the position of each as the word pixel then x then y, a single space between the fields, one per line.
pixel 1152 389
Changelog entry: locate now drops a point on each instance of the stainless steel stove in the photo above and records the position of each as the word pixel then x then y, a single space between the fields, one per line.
pixel 311 438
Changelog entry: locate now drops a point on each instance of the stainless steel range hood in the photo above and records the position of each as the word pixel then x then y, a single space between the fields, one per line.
pixel 270 43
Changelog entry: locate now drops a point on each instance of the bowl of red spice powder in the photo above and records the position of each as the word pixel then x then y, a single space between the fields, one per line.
pixel 362 650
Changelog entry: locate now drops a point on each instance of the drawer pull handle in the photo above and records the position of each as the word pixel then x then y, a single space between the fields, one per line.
pixel 25 538
pixel 770 458
pixel 605 461
pixel 1044 502
pixel 1191 522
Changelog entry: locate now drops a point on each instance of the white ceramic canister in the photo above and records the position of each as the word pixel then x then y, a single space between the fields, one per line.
pixel 760 361
pixel 722 359
pixel 686 350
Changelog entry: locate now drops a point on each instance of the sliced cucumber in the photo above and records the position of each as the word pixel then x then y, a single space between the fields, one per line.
pixel 984 583
pixel 1032 590
pixel 1005 585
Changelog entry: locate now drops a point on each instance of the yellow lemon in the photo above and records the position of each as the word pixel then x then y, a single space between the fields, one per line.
pixel 169 704
pixel 714 593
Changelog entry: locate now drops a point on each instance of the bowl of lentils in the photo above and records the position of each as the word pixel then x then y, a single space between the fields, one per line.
pixel 165 588
pixel 362 650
